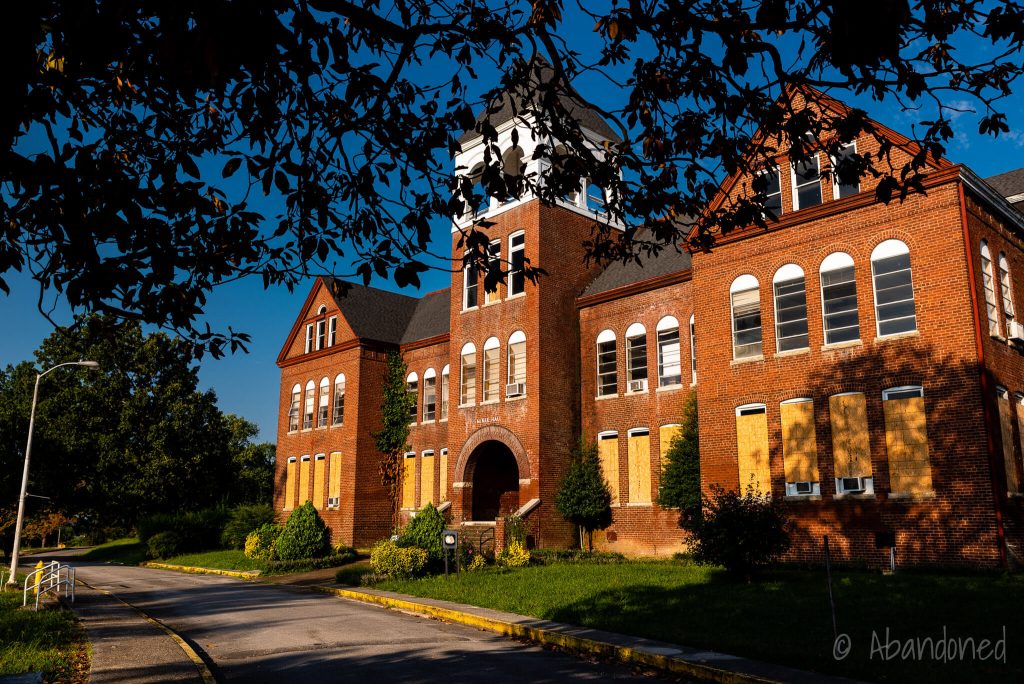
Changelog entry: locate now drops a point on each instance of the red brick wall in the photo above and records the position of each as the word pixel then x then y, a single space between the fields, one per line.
pixel 429 435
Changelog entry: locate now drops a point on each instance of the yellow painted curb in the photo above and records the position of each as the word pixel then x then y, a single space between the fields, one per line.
pixel 204 670
pixel 248 575
pixel 580 645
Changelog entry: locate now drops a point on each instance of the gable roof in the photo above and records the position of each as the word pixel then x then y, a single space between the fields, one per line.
pixel 618 274
pixel 432 317
pixel 373 314
pixel 524 100
pixel 1010 185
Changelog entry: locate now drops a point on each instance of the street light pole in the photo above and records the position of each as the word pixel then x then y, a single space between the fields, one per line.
pixel 28 453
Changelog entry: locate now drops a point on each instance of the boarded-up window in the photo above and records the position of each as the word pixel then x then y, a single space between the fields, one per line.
pixel 799 441
pixel 289 485
pixel 409 481
pixel 1006 430
pixel 638 458
pixel 752 448
pixel 319 480
pixel 334 484
pixel 851 448
pixel 608 452
pixel 443 487
pixel 304 468
pixel 665 436
pixel 1019 403
pixel 906 440
pixel 427 478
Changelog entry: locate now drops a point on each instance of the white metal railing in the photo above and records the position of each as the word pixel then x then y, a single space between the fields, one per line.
pixel 50 577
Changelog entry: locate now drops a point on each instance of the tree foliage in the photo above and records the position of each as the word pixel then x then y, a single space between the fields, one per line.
pixel 680 478
pixel 583 497
pixel 392 440
pixel 134 438
pixel 136 135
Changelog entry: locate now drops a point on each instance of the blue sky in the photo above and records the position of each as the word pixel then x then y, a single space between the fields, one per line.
pixel 247 384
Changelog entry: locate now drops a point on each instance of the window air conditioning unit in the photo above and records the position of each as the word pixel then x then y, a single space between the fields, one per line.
pixel 333 501
pixel 1015 331
pixel 515 389
pixel 803 487
pixel 638 385
pixel 852 485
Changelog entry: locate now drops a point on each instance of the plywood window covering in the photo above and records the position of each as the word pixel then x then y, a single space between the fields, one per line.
pixel 443 487
pixel 851 448
pixel 752 448
pixel 906 440
pixel 289 485
pixel 1013 484
pixel 304 468
pixel 427 478
pixel 334 477
pixel 799 441
pixel 638 460
pixel 409 481
pixel 319 480
pixel 665 436
pixel 608 453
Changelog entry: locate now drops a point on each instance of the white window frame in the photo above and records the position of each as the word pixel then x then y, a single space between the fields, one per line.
pixel 693 349
pixel 1006 290
pixel 513 378
pixel 309 405
pixel 323 404
pixel 834 262
pixel 667 324
pixel 338 415
pixel 468 284
pixel 491 371
pixel 791 487
pixel 321 334
pixel 634 332
pixel 768 169
pixel 741 284
pixel 412 386
pixel 796 187
pixel 332 330
pixel 884 250
pixel 468 350
pixel 786 274
pixel 991 302
pixel 295 408
pixel 752 409
pixel 513 251
pixel 903 392
pixel 309 337
pixel 429 416
pixel 835 178
pixel 446 388
pixel 492 257
pixel 603 337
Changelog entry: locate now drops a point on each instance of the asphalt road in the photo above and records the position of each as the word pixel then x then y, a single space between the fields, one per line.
pixel 267 633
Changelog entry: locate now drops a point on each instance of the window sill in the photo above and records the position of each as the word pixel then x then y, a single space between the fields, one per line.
pixel 489 402
pixel 639 504
pixel 321 427
pixel 604 397
pixel 670 388
pixel 337 425
pixel 427 422
pixel 472 308
pixel 413 424
pixel 292 432
pixel 854 497
pixel 792 352
pixel 517 295
pixel 881 339
pixel 639 392
pixel 842 345
pixel 910 497
pixel 1015 495
pixel 309 429
pixel 334 508
pixel 802 497
pixel 496 301
pixel 443 420
pixel 749 359
pixel 997 337
pixel 521 397
pixel 462 406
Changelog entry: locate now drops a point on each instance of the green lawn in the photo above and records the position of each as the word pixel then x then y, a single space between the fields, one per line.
pixel 782 618
pixel 225 559
pixel 50 641
pixel 127 551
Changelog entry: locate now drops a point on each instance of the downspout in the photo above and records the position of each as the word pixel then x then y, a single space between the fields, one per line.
pixel 985 404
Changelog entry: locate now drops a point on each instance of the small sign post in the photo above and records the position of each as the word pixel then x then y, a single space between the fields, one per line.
pixel 450 542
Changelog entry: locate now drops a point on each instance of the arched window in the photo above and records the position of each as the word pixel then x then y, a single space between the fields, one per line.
pixel 293 408
pixel 636 357
pixel 989 285
pixel 670 370
pixel 790 308
pixel 1006 290
pixel 607 365
pixel 516 386
pixel 482 203
pixel 516 263
pixel 467 382
pixel 429 395
pixel 745 297
pixel 307 409
pixel 839 299
pixel 894 289
pixel 491 361
pixel 324 405
pixel 444 392
pixel 693 350
pixel 322 310
pixel 339 399
pixel 513 164
pixel 412 388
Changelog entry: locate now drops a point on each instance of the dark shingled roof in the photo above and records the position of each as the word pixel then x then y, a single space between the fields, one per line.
pixel 618 274
pixel 505 108
pixel 431 317
pixel 1008 184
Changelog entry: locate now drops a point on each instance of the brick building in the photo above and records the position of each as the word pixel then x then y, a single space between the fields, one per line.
pixel 858 360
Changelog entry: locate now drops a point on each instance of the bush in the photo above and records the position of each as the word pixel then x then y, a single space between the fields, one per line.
pixel 244 519
pixel 424 532
pixel 199 530
pixel 515 529
pixel 304 535
pixel 478 563
pixel 165 545
pixel 514 555
pixel 391 560
pixel 273 567
pixel 680 479
pixel 261 544
pixel 739 532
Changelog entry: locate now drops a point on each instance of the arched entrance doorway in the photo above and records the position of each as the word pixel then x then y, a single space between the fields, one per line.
pixel 495 481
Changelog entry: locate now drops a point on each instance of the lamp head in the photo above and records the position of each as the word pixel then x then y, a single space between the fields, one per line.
pixel 89 364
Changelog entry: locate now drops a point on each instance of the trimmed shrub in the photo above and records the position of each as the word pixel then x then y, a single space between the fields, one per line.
pixel 739 532
pixel 280 566
pixel 478 563
pixel 304 535
pixel 424 532
pixel 514 555
pixel 165 545
pixel 244 519
pixel 680 479
pixel 583 497
pixel 391 560
pixel 199 530
pixel 261 544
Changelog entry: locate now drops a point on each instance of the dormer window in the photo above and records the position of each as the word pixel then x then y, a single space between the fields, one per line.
pixel 332 330
pixel 309 338
pixel 806 183
pixel 768 190
pixel 841 187
pixel 321 334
